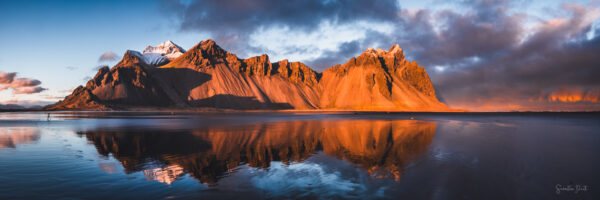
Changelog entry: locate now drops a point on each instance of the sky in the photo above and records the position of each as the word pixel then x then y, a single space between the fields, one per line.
pixel 489 55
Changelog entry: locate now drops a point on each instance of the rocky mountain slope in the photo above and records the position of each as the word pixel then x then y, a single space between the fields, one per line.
pixel 378 80
pixel 208 76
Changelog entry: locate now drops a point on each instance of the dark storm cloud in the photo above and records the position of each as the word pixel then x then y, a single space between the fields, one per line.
pixel 230 22
pixel 350 49
pixel 242 15
pixel 556 55
pixel 330 58
pixel 483 31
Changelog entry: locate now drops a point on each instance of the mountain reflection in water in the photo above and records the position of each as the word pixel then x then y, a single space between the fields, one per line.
pixel 382 148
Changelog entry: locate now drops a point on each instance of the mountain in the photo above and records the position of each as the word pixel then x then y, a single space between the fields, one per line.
pixel 10 107
pixel 127 83
pixel 384 80
pixel 208 76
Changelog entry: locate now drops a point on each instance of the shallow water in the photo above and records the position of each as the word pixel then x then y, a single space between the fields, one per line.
pixel 146 155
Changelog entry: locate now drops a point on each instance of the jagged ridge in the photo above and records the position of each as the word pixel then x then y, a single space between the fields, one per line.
pixel 385 80
pixel 208 76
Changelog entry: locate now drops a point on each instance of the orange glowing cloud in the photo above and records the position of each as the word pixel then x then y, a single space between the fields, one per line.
pixel 570 95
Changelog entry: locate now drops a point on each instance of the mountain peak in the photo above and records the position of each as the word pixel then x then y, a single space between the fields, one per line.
pixel 166 48
pixel 208 44
pixel 168 42
pixel 210 49
pixel 131 57
pixel 207 40
pixel 205 53
pixel 393 51
pixel 395 48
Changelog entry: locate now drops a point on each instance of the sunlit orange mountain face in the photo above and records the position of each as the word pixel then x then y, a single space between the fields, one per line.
pixel 208 76
pixel 382 148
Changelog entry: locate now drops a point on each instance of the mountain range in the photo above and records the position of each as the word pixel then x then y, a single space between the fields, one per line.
pixel 207 76
pixel 11 107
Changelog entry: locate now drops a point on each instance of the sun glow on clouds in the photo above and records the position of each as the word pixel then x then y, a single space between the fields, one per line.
pixel 570 95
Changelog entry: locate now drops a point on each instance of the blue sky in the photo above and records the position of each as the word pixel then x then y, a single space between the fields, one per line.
pixel 59 42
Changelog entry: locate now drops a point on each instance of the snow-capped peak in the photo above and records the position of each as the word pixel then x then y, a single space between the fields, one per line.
pixel 167 49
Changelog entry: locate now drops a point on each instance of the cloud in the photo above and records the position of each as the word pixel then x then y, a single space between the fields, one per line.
pixel 330 58
pixel 28 90
pixel 6 78
pixel 570 95
pixel 232 22
pixel 24 82
pixel 68 91
pixel 108 57
pixel 71 68
pixel 53 97
pixel 241 15
pixel 556 54
pixel 19 85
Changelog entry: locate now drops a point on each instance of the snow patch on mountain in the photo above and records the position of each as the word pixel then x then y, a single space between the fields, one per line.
pixel 160 54
pixel 155 59
pixel 167 48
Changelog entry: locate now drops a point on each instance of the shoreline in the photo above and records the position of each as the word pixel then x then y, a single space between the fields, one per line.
pixel 312 111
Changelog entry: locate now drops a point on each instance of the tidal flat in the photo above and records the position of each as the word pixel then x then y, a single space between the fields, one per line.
pixel 306 155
